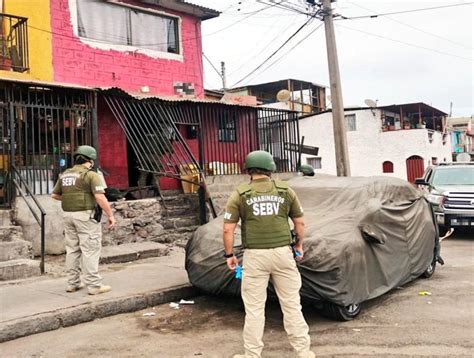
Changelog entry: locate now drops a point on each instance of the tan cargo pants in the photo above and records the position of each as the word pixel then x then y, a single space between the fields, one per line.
pixel 83 240
pixel 277 264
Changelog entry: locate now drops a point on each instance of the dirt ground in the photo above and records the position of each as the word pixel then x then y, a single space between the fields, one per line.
pixel 400 324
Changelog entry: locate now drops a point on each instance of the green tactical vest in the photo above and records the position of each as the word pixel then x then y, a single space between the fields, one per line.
pixel 265 216
pixel 75 195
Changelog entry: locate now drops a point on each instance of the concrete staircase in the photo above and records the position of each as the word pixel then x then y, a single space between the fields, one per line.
pixel 16 254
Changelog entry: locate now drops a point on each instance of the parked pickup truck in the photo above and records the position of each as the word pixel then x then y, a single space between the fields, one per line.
pixel 450 190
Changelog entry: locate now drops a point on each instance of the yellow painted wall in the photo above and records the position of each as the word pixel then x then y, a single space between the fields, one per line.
pixel 39 42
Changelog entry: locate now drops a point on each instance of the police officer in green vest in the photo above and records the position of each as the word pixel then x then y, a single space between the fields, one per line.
pixel 307 170
pixel 79 189
pixel 264 206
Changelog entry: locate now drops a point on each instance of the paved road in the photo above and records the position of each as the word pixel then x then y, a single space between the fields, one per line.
pixel 400 324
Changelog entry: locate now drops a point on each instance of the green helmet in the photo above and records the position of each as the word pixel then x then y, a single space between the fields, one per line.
pixel 307 169
pixel 86 151
pixel 261 160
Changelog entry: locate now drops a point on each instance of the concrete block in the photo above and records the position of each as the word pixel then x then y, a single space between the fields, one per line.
pixel 132 251
pixel 54 225
pixel 16 269
pixel 28 326
pixel 13 250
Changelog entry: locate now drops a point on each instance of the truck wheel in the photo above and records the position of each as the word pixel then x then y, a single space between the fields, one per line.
pixel 429 270
pixel 341 313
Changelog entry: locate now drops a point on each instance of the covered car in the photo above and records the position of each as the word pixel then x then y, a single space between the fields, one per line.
pixel 363 237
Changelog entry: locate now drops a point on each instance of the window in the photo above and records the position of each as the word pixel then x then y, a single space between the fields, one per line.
pixel 122 25
pixel 315 162
pixel 227 129
pixel 387 167
pixel 350 122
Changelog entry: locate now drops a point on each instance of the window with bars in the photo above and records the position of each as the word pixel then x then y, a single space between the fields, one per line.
pixel 350 122
pixel 315 162
pixel 227 129
pixel 122 25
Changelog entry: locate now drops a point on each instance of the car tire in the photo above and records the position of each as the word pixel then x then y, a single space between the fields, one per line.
pixel 341 313
pixel 429 270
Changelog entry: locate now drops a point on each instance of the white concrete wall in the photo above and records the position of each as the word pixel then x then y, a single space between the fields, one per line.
pixel 369 146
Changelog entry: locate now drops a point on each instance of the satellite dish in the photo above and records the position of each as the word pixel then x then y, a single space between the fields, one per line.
pixel 283 95
pixel 463 157
pixel 370 103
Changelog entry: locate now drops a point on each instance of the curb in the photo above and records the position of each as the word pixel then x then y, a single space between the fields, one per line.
pixel 87 312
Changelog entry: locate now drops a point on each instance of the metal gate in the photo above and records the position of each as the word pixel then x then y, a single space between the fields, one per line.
pixel 415 168
pixel 40 128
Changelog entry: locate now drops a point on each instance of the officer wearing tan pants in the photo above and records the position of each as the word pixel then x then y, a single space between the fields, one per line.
pixel 79 189
pixel 264 206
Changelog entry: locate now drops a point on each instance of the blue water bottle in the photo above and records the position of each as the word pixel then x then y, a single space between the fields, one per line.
pixel 238 272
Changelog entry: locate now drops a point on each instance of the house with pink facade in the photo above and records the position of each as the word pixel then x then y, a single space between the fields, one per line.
pixel 125 76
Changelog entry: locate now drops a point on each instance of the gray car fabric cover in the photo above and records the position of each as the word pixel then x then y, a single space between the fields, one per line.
pixel 364 236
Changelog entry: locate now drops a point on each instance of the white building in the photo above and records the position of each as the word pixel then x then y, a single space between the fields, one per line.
pixel 396 140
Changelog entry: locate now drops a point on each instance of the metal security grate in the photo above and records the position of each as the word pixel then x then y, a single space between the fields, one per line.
pixel 40 129
pixel 13 43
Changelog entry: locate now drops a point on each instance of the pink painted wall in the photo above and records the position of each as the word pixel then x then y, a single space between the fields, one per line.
pixel 78 63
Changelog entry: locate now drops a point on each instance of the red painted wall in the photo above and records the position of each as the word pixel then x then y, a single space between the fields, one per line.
pixel 231 152
pixel 78 63
pixel 112 147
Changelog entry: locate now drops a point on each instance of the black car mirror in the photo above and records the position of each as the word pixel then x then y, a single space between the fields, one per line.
pixel 421 181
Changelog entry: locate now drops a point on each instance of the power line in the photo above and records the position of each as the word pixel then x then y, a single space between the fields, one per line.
pixel 162 43
pixel 403 11
pixel 405 43
pixel 212 65
pixel 291 49
pixel 274 53
pixel 269 42
pixel 413 27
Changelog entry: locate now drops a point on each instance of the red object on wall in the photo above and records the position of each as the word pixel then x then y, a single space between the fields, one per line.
pixel 387 167
pixel 415 168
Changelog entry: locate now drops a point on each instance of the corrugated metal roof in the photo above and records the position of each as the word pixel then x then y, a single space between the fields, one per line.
pixel 145 96
pixel 406 108
pixel 204 13
pixel 34 82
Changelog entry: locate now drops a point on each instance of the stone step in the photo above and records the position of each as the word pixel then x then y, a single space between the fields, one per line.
pixel 17 269
pixel 13 250
pixel 5 217
pixel 132 252
pixel 177 223
pixel 180 210
pixel 11 233
pixel 176 238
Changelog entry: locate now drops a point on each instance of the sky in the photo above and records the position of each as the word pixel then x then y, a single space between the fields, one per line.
pixel 422 56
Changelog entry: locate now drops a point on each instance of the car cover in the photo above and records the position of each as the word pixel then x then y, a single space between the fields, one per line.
pixel 363 237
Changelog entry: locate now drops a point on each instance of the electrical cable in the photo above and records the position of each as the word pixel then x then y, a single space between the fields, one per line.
pixel 275 52
pixel 405 43
pixel 269 42
pixel 404 11
pixel 162 43
pixel 212 65
pixel 413 27
pixel 291 49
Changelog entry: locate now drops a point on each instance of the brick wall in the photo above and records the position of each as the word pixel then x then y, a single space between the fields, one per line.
pixel 79 63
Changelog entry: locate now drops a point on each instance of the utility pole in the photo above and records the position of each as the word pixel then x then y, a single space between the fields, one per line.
pixel 338 120
pixel 224 81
